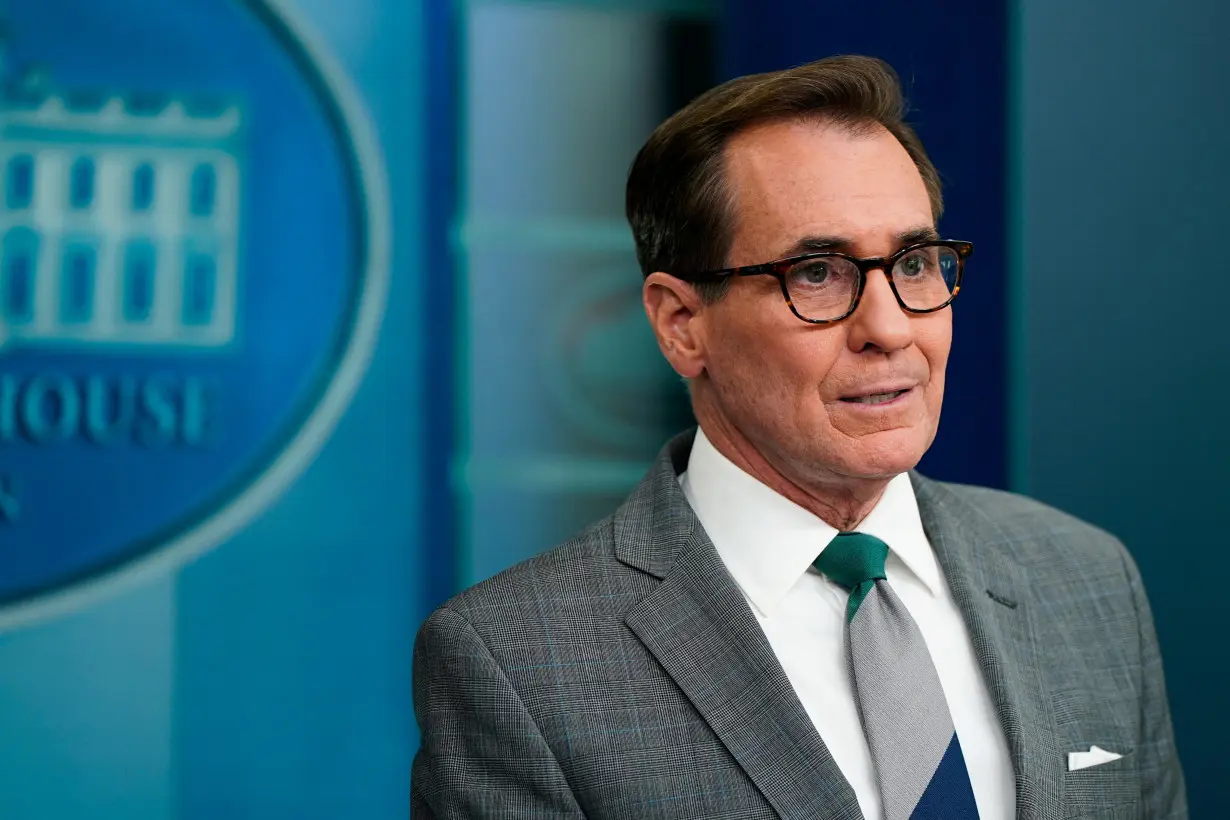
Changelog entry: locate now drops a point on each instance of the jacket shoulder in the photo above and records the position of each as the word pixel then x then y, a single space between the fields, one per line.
pixel 1051 536
pixel 580 570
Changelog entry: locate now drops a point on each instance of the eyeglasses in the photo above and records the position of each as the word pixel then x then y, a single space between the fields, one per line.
pixel 826 286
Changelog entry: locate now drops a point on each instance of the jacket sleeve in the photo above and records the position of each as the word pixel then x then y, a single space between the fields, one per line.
pixel 1162 788
pixel 481 754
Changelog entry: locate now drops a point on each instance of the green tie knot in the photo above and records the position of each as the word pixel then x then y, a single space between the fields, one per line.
pixel 853 558
pixel 856 561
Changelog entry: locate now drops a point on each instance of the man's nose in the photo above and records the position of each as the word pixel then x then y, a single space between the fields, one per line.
pixel 879 322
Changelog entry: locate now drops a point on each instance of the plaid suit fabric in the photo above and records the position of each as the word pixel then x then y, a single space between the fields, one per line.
pixel 622 675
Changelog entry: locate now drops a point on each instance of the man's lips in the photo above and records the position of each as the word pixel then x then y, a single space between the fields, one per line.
pixel 878 394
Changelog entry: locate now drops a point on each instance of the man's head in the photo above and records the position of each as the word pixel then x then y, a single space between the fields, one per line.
pixel 768 167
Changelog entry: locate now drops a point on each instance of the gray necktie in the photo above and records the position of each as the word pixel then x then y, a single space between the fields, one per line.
pixel 917 755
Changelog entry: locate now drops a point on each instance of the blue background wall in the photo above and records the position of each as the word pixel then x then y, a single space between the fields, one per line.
pixel 1121 357
pixel 516 395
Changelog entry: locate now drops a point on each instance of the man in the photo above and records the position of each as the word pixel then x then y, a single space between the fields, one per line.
pixel 783 620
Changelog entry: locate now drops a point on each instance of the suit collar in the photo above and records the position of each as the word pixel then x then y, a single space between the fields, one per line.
pixel 768 542
pixel 990 581
pixel 655 524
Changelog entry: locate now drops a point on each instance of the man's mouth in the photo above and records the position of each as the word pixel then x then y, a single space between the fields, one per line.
pixel 876 398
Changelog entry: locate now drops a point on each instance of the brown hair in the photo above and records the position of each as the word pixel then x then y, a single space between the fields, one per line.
pixel 677 202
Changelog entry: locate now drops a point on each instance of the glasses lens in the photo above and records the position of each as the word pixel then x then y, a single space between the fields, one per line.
pixel 926 277
pixel 822 288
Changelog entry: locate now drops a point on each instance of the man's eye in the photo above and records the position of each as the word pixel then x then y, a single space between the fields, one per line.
pixel 913 265
pixel 812 273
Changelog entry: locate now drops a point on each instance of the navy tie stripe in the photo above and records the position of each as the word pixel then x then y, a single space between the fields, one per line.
pixel 949 795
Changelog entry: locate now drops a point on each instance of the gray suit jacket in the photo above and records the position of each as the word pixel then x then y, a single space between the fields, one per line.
pixel 623 675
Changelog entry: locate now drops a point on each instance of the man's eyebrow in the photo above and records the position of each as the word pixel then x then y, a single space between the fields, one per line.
pixel 811 244
pixel 816 244
pixel 916 235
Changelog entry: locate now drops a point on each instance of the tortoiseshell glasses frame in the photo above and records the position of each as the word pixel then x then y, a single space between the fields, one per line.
pixel 780 269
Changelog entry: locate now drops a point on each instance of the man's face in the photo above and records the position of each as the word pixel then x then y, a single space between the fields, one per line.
pixel 793 389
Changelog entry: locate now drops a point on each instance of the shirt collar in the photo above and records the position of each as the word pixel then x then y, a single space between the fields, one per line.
pixel 895 521
pixel 768 542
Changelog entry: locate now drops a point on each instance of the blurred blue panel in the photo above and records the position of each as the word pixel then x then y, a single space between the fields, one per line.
pixel 951 55
pixel 295 639
pixel 1122 119
pixel 271 677
pixel 562 380
pixel 86 713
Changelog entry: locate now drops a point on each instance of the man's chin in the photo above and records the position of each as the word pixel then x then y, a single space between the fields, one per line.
pixel 883 455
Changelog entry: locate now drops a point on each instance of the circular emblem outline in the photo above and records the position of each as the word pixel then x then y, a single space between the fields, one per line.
pixel 303 436
pixel 559 343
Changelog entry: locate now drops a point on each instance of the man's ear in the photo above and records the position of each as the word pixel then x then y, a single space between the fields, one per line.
pixel 675 312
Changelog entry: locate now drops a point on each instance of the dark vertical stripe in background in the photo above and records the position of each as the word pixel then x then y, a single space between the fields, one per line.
pixel 952 58
pixel 442 130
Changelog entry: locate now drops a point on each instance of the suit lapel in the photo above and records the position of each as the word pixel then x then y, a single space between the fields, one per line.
pixel 991 588
pixel 700 629
pixel 698 626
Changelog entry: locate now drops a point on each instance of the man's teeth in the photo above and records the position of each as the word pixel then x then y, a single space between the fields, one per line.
pixel 877 398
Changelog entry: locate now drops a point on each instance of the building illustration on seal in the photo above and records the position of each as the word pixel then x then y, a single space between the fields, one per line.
pixel 119 216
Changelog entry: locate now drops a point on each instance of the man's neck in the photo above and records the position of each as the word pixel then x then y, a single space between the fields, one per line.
pixel 839 501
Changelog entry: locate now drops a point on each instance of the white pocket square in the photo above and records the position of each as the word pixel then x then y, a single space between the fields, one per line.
pixel 1096 756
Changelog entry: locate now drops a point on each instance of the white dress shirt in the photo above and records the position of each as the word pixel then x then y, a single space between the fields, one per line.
pixel 768 544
